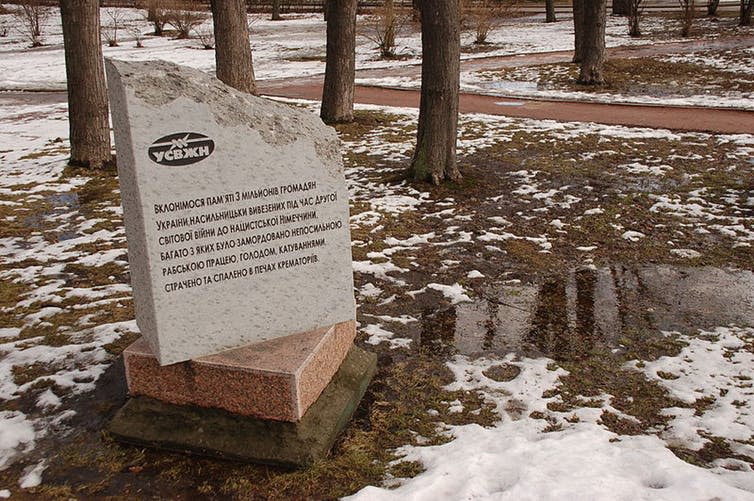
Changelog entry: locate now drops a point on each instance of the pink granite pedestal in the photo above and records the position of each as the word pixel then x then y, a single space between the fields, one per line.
pixel 278 379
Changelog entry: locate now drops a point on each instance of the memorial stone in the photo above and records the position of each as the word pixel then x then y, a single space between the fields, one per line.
pixel 236 215
pixel 236 212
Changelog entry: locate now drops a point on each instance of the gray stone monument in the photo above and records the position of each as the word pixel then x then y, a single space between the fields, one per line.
pixel 236 215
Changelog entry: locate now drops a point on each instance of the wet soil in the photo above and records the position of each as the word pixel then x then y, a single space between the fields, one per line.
pixel 567 317
pixel 530 303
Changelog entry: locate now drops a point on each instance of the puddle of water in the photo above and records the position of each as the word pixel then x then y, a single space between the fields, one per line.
pixel 60 203
pixel 566 317
pixel 65 199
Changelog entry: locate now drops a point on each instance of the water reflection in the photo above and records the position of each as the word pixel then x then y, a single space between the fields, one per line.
pixel 568 316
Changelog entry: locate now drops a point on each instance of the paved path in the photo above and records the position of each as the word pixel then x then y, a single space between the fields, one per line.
pixel 675 118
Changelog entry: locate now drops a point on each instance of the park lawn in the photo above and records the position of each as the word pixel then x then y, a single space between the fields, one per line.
pixel 543 206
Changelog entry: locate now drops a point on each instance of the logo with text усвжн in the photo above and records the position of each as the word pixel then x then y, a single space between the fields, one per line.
pixel 182 148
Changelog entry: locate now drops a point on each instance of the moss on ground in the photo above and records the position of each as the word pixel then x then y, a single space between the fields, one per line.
pixel 640 76
pixel 394 413
pixel 411 382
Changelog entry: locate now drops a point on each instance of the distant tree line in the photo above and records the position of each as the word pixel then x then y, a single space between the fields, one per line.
pixel 434 157
pixel 285 5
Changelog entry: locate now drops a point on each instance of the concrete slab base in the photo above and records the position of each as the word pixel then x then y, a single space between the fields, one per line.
pixel 215 432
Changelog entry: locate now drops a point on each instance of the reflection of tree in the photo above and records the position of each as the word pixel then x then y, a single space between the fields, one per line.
pixel 490 325
pixel 438 331
pixel 549 325
pixel 586 280
pixel 630 291
pixel 550 331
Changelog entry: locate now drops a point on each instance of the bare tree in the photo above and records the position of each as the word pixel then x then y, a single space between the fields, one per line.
pixel 87 94
pixel 578 29
pixel 712 6
pixel 206 36
pixel 621 7
pixel 3 28
pixel 276 11
pixel 232 48
pixel 593 43
pixel 185 16
pixel 435 155
pixel 745 12
pixel 688 13
pixel 550 11
pixel 115 21
pixel 137 34
pixel 31 19
pixel 340 68
pixel 383 27
pixel 483 18
pixel 635 9
pixel 415 10
pixel 156 13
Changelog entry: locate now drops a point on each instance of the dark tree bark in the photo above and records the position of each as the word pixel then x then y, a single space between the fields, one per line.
pixel 340 68
pixel 578 29
pixel 550 11
pixel 747 6
pixel 435 155
pixel 87 93
pixel 621 7
pixel 276 10
pixel 232 48
pixel 712 6
pixel 156 15
pixel 415 10
pixel 634 16
pixel 593 43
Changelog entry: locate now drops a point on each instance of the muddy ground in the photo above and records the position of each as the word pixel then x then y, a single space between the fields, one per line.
pixel 579 243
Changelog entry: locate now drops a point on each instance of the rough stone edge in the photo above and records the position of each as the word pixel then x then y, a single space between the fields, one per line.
pixel 128 183
pixel 311 438
pixel 171 80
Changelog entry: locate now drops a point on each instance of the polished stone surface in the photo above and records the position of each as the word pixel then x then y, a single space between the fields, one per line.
pixel 277 379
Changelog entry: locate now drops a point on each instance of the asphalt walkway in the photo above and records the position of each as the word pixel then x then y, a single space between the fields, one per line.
pixel 716 120
pixel 719 120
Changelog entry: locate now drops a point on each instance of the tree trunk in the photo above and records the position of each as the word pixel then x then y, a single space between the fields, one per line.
pixel 340 69
pixel 415 10
pixel 578 29
pixel 746 9
pixel 232 48
pixel 633 21
pixel 621 7
pixel 712 6
pixel 435 155
pixel 87 92
pixel 276 10
pixel 593 43
pixel 550 11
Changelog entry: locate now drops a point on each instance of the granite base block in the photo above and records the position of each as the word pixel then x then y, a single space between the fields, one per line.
pixel 214 432
pixel 276 379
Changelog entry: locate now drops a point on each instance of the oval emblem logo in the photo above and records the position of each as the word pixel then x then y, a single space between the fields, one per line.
pixel 181 148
